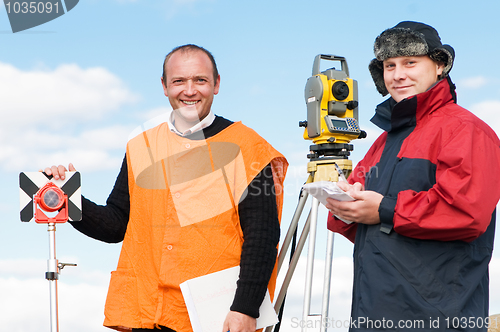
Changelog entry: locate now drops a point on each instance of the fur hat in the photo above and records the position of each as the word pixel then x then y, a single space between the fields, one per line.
pixel 408 39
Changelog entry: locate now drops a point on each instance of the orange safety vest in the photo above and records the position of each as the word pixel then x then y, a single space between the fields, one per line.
pixel 184 221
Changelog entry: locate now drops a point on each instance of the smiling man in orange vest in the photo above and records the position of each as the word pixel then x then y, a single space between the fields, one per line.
pixel 195 195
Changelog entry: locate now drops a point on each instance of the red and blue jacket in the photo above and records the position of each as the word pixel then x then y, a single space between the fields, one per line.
pixel 438 167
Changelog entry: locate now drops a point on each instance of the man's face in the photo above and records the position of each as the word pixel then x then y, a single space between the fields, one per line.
pixel 190 87
pixel 407 76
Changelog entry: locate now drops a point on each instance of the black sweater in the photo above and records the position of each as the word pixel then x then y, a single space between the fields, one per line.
pixel 258 218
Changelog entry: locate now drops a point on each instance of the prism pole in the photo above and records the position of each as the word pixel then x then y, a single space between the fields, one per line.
pixel 52 275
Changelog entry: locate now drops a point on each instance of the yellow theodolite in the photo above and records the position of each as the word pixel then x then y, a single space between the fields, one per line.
pixel 332 119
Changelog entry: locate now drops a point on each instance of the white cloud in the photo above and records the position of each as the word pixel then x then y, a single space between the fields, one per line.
pixel 473 82
pixel 25 304
pixel 92 149
pixel 67 93
pixel 489 112
pixel 59 116
pixel 495 286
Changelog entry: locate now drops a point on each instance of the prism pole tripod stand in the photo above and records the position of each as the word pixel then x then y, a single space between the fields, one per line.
pixel 320 168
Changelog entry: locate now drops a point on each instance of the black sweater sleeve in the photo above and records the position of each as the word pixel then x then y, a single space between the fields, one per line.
pixel 261 230
pixel 108 222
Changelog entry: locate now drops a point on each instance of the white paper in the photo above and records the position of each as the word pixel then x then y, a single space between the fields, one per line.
pixel 209 297
pixel 322 190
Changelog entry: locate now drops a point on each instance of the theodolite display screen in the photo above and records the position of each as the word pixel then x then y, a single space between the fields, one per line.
pixel 339 124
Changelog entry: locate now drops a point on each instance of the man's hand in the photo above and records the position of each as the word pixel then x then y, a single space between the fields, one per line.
pixel 363 210
pixel 350 188
pixel 238 322
pixel 58 172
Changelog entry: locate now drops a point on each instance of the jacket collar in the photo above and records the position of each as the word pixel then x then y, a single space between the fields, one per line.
pixel 391 116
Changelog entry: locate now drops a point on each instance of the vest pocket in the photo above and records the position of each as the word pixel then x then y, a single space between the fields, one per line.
pixel 122 302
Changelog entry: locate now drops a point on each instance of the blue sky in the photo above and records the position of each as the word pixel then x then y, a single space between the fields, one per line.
pixel 73 89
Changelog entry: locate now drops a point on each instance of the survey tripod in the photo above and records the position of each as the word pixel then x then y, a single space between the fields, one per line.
pixel 325 162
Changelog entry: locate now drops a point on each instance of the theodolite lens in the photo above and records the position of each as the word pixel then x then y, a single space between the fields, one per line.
pixel 340 90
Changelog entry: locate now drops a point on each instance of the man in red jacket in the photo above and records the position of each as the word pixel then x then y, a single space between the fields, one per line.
pixel 426 192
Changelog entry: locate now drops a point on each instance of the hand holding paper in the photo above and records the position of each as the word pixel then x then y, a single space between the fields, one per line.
pixel 327 189
pixel 358 205
pixel 363 210
pixel 322 190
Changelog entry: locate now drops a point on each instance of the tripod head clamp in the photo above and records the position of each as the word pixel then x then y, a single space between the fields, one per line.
pixel 330 151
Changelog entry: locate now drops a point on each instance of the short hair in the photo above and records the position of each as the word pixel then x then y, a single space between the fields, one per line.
pixel 190 48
